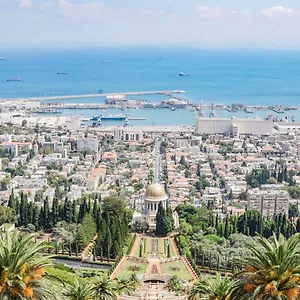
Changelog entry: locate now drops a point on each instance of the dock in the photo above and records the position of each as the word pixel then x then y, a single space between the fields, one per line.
pixel 277 110
pixel 52 98
pixel 137 119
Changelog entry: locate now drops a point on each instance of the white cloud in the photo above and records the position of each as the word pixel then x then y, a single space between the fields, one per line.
pixel 47 4
pixel 208 11
pixel 25 3
pixel 277 11
pixel 80 11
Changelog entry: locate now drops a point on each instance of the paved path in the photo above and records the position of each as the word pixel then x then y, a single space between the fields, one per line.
pixel 118 268
pixel 135 245
pixel 173 245
pixel 190 268
pixel 154 267
pixel 148 246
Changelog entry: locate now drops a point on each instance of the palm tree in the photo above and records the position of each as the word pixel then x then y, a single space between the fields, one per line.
pixel 79 290
pixel 219 288
pixel 127 285
pixel 273 270
pixel 175 285
pixel 104 288
pixel 22 268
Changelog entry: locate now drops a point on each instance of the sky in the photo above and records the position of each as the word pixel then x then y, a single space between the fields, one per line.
pixel 106 23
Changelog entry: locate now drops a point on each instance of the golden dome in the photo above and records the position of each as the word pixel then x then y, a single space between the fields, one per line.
pixel 155 190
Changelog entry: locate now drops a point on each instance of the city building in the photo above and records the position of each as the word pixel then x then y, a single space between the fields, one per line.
pixel 234 126
pixel 268 202
pixel 115 99
pixel 87 144
pixel 125 135
pixel 96 177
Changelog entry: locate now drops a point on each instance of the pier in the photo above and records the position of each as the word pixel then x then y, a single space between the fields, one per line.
pixel 52 98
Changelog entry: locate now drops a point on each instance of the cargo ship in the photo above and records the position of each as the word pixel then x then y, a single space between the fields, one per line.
pixel 14 79
pixel 183 74
pixel 62 73
pixel 110 118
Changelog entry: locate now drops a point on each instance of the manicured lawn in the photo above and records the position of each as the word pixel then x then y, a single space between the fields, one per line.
pixel 126 268
pixel 172 253
pixel 137 250
pixel 165 248
pixel 177 268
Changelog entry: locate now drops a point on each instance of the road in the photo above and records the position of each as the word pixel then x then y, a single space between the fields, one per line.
pixel 80 265
pixel 157 161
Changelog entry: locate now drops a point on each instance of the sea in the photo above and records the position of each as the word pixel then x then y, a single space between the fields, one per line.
pixel 247 76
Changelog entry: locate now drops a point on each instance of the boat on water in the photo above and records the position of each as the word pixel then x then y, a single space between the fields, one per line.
pixel 62 73
pixel 248 110
pixel 13 79
pixel 2 58
pixel 48 111
pixel 105 62
pixel 183 74
pixel 110 118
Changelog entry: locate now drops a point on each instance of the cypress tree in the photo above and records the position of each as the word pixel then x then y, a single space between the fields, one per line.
pixel 35 216
pixel 55 211
pixel 117 244
pixel 47 217
pixel 235 225
pixel 68 212
pixel 82 210
pixel 30 212
pixel 42 218
pixel 89 206
pixel 23 210
pixel 125 223
pixel 161 221
pixel 98 219
pixel 12 202
pixel 170 220
pixel 226 229
pixel 95 210
pixel 74 212
pixel 217 221
pixel 108 243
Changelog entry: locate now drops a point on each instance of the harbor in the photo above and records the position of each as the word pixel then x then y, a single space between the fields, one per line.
pixel 135 109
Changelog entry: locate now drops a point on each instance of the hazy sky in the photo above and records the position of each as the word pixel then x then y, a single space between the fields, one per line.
pixel 156 22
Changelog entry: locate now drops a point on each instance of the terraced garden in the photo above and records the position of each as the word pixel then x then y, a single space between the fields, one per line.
pixel 130 267
pixel 177 268
pixel 158 247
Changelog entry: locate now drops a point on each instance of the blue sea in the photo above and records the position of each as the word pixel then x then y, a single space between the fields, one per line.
pixel 250 76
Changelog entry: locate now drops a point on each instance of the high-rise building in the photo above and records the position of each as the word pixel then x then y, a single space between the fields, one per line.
pixel 268 202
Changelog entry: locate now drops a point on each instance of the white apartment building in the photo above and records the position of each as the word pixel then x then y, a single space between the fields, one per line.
pixel 235 126
pixel 268 202
pixel 125 135
pixel 213 195
pixel 87 144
